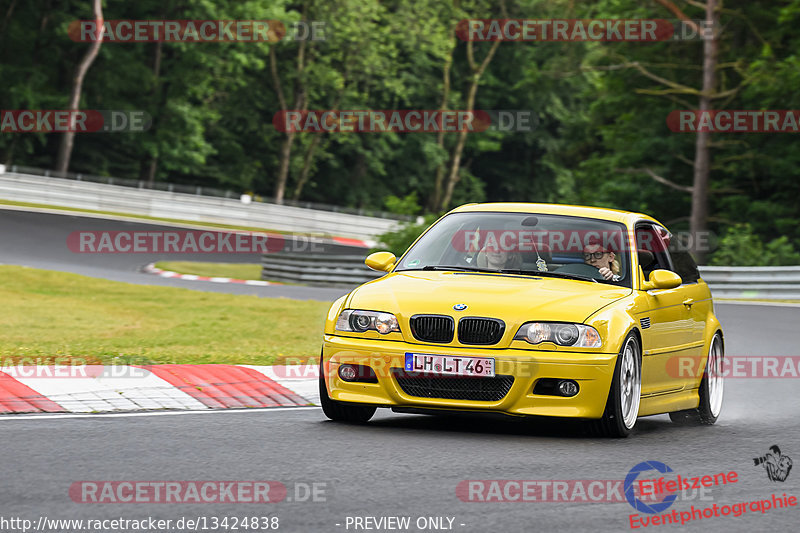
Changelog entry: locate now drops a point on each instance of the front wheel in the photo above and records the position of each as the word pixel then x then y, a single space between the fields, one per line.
pixel 622 406
pixel 711 390
pixel 341 411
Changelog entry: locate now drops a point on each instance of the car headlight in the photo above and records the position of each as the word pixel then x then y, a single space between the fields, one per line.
pixel 361 321
pixel 561 333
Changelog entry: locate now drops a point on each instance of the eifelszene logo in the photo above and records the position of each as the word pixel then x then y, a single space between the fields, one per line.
pixel 630 484
pixel 777 465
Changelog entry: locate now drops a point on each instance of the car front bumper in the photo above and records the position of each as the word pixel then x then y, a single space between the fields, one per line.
pixel 592 371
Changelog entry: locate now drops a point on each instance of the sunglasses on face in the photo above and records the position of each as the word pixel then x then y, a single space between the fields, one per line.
pixel 593 255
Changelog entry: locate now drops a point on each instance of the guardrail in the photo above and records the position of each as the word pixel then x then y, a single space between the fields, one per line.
pixel 751 283
pixel 741 283
pixel 192 207
pixel 317 270
pixel 197 190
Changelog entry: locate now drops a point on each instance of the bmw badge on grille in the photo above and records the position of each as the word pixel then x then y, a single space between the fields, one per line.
pixel 460 307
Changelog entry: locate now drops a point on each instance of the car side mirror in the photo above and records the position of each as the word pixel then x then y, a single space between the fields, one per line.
pixel 381 261
pixel 662 279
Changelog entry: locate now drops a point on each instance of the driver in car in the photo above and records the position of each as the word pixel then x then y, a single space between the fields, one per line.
pixel 605 261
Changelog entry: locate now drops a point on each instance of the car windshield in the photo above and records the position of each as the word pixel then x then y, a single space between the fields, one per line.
pixel 525 243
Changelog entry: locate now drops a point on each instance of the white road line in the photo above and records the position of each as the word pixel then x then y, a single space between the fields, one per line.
pixel 763 303
pixel 151 268
pixel 5 418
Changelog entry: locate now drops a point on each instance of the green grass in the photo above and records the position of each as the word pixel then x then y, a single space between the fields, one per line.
pixel 145 217
pixel 217 270
pixel 56 318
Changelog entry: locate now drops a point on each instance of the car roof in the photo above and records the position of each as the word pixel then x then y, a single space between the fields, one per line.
pixel 615 215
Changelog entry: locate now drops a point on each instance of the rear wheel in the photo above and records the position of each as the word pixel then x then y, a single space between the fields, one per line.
pixel 341 411
pixel 711 390
pixel 622 406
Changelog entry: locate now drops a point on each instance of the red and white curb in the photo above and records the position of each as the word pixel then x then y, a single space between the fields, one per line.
pixel 355 242
pixel 90 389
pixel 153 269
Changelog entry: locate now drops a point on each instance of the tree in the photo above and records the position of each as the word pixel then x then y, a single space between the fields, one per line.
pixel 68 139
pixel 299 102
pixel 446 181
pixel 698 221
pixel 599 108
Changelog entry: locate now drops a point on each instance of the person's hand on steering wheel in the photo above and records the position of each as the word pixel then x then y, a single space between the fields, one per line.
pixel 606 272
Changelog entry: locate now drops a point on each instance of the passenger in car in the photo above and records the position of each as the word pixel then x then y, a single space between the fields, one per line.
pixel 495 258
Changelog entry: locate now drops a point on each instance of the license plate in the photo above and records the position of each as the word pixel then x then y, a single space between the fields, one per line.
pixel 450 365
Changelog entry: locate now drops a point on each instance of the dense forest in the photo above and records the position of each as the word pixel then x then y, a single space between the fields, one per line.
pixel 600 134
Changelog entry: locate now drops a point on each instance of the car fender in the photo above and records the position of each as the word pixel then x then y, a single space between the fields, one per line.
pixel 614 323
pixel 712 328
pixel 333 314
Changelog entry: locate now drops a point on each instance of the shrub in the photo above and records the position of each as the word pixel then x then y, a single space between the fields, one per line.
pixel 741 247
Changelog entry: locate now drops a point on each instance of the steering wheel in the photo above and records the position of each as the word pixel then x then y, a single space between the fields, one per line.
pixel 580 269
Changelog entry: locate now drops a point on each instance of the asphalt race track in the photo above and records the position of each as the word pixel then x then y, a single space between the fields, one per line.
pixel 39 240
pixel 410 465
pixel 397 465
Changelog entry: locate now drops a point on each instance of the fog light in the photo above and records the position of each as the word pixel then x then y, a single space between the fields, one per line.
pixel 567 388
pixel 359 373
pixel 347 372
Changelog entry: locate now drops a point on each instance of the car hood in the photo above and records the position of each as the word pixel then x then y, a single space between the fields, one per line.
pixel 514 299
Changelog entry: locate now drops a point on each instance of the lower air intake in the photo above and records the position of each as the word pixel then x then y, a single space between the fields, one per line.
pixel 453 387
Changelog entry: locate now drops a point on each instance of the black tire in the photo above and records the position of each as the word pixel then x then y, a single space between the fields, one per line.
pixel 341 411
pixel 707 412
pixel 613 423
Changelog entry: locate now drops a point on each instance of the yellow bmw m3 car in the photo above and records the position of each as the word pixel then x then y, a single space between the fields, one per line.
pixel 529 310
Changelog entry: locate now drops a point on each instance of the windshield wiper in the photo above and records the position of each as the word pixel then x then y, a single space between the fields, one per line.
pixel 460 268
pixel 507 271
pixel 548 274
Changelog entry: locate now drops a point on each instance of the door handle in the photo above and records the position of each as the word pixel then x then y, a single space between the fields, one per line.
pixel 688 302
